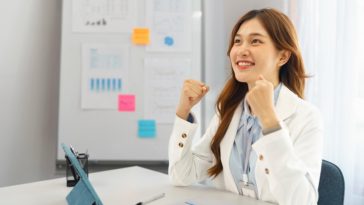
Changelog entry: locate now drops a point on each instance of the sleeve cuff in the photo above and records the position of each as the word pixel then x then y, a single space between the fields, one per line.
pixel 272 129
pixel 190 118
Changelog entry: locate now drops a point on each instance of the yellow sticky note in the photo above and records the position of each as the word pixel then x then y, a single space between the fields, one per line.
pixel 141 36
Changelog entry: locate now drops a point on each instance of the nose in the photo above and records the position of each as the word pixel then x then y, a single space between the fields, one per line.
pixel 243 50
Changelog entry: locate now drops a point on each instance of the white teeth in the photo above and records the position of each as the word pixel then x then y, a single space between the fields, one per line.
pixel 244 63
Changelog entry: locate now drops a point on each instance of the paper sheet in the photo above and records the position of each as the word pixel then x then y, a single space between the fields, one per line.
pixel 163 82
pixel 104 75
pixel 170 22
pixel 103 15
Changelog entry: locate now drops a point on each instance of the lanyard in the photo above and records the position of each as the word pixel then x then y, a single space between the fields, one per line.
pixel 248 143
pixel 247 157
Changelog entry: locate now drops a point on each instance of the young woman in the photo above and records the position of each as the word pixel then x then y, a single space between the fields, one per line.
pixel 265 141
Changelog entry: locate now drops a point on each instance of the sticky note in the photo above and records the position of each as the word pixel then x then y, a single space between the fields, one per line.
pixel 146 129
pixel 126 103
pixel 141 36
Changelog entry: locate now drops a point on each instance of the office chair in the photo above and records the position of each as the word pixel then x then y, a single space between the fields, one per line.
pixel 332 185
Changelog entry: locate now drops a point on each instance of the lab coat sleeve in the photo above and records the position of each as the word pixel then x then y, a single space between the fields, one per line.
pixel 188 163
pixel 293 165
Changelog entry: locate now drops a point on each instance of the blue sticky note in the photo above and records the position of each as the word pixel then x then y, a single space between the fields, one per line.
pixel 146 128
pixel 168 40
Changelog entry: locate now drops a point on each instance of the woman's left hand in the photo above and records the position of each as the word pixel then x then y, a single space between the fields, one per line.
pixel 260 100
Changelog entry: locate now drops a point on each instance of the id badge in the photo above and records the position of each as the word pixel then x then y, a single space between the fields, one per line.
pixel 248 190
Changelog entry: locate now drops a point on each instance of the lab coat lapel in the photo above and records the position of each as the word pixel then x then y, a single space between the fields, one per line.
pixel 286 103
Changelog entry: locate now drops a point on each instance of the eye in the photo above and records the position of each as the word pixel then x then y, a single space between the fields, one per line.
pixel 237 40
pixel 256 41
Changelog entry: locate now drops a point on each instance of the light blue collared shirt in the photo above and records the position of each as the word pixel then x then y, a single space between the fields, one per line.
pixel 238 152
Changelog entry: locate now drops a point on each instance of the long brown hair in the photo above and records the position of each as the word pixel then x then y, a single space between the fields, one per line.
pixel 292 74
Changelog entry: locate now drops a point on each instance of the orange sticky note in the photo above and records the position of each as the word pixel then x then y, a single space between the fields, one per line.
pixel 141 36
pixel 126 103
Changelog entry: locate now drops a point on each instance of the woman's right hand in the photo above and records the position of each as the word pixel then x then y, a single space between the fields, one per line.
pixel 192 92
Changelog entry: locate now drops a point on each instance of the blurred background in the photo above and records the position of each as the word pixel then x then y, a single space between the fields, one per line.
pixel 331 34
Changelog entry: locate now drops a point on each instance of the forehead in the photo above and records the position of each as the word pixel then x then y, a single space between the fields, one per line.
pixel 252 26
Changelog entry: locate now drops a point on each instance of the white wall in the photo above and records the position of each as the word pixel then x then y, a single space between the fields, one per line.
pixel 234 9
pixel 29 73
pixel 214 54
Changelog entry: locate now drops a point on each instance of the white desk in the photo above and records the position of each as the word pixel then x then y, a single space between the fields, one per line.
pixel 125 186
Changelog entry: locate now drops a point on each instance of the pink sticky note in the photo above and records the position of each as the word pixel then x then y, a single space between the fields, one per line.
pixel 126 103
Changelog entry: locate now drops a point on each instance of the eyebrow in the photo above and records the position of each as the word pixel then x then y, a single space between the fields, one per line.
pixel 252 34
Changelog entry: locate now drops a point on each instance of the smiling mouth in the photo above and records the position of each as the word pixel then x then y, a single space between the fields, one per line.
pixel 243 65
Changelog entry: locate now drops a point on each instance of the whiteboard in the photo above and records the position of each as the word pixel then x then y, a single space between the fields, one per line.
pixel 108 134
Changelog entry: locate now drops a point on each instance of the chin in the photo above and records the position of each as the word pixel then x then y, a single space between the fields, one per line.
pixel 242 79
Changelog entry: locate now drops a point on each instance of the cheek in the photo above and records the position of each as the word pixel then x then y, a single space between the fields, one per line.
pixel 231 54
pixel 267 62
pixel 231 61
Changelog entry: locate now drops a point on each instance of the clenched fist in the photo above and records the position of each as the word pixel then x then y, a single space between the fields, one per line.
pixel 192 93
pixel 260 100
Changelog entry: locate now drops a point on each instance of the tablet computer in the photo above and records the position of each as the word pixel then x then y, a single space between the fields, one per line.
pixel 83 193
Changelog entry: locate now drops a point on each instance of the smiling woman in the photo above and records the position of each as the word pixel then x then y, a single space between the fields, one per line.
pixel 265 141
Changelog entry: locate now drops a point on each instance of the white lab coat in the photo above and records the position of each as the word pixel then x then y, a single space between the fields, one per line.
pixel 289 160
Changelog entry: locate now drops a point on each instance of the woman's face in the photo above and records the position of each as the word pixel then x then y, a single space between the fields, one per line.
pixel 253 53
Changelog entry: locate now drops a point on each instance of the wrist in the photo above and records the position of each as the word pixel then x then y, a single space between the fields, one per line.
pixel 271 129
pixel 183 113
pixel 269 122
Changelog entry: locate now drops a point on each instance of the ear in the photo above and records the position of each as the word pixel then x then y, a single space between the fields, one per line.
pixel 284 57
